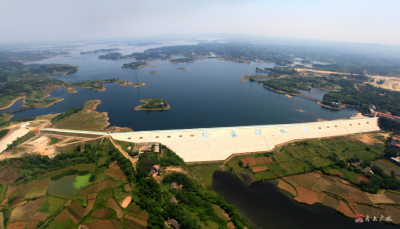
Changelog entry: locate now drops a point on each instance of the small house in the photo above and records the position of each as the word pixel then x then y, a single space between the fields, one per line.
pixel 356 164
pixel 156 167
pixel 174 185
pixel 366 170
pixel 174 224
pixel 173 200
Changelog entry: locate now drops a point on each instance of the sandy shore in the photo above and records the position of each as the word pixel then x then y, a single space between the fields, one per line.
pixel 154 71
pixel 146 102
pixel 183 69
pixel 289 96
pixel 143 84
pixel 12 103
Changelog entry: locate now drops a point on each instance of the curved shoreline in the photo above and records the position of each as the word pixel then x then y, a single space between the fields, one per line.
pixel 12 103
pixel 300 95
pixel 146 102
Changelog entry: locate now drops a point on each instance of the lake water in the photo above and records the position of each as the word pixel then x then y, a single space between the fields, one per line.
pixel 63 186
pixel 265 206
pixel 209 94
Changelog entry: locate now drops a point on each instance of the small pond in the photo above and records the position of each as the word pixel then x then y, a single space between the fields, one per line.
pixel 63 186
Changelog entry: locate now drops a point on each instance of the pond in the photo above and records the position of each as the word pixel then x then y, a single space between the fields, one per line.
pixel 67 185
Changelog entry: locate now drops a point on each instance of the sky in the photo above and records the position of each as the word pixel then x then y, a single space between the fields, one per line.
pixel 361 21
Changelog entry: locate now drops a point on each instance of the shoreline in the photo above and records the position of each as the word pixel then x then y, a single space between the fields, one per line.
pixel 137 108
pixel 142 85
pixel 12 103
pixel 300 95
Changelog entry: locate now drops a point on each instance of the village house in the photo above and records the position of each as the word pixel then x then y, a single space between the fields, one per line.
pixel 366 170
pixel 395 143
pixel 356 164
pixel 174 186
pixel 389 116
pixel 173 200
pixel 153 170
pixel 174 224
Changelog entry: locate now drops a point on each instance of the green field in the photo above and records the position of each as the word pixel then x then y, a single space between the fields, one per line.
pixel 81 181
pixel 206 171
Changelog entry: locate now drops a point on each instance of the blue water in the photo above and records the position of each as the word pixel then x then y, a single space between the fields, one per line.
pixel 209 94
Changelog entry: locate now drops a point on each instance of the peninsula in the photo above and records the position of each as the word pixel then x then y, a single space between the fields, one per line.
pixel 153 105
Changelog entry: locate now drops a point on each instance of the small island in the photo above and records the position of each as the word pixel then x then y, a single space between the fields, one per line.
pixel 112 56
pixel 134 65
pixel 183 69
pixel 153 105
pixel 151 72
pixel 139 84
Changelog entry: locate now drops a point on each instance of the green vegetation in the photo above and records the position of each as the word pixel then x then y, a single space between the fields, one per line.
pixel 153 104
pixel 389 125
pixel 134 65
pixel 206 171
pixel 112 56
pixel 3 132
pixel 54 140
pixel 100 50
pixel 81 181
pixel 67 113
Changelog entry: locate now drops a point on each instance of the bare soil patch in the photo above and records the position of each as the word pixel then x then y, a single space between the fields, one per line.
pixel 128 188
pixel 126 201
pixel 89 206
pixel 379 198
pixel 361 178
pixel 116 223
pixel 287 187
pixel 101 224
pixel 366 210
pixel 220 212
pixel 306 196
pixel 336 190
pixel 330 201
pixel 68 203
pixel 260 160
pixel 14 170
pixel 131 221
pixel 33 224
pixel 10 190
pixel 64 216
pixel 259 168
pixel 102 213
pixel 40 216
pixel 292 182
pixel 359 197
pixel 17 225
pixel 268 159
pixel 349 187
pixel 393 212
pixel 15 202
pixel 393 196
pixel 306 180
pixel 317 175
pixel 37 192
pixel 7 176
pixel 115 171
pixel 321 184
pixel 92 196
pixel 250 161
pixel 345 209
pixel 90 189
pixel 76 210
pixel 24 213
pixel 106 184
pixel 113 205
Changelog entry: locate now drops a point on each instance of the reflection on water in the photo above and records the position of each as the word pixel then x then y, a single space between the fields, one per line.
pixel 266 206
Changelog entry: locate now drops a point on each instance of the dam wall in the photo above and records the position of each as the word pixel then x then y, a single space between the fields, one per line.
pixel 215 144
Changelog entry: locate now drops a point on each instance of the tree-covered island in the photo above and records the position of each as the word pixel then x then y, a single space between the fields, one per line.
pixel 153 105
pixel 134 65
pixel 182 60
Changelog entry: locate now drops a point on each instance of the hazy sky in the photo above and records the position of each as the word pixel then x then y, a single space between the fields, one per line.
pixel 368 21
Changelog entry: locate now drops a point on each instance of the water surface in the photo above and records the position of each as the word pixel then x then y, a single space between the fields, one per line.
pixel 265 206
pixel 63 186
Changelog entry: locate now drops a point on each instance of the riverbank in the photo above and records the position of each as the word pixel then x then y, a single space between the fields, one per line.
pixel 146 101
pixel 12 103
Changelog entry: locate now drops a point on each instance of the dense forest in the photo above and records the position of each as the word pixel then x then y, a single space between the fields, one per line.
pixel 134 65
pixel 99 50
